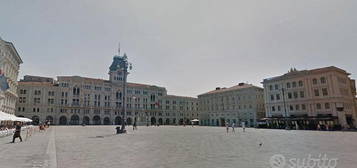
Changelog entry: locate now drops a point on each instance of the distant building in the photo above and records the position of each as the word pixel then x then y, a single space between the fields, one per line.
pixel 9 70
pixel 179 109
pixel 319 96
pixel 237 104
pixel 73 100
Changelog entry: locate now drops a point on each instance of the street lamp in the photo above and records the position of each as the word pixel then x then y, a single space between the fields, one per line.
pixel 124 66
pixel 286 113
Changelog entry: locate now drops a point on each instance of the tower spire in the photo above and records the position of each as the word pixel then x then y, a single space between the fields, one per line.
pixel 119 49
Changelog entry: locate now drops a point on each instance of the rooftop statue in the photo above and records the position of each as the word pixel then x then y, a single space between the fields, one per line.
pixel 118 62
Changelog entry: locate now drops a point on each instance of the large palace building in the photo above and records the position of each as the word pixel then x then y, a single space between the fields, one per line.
pixel 307 98
pixel 72 100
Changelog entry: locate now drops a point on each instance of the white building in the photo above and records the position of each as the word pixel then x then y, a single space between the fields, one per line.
pixel 237 104
pixel 9 67
pixel 309 97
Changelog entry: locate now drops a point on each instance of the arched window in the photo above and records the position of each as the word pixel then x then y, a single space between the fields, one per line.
pixel 314 81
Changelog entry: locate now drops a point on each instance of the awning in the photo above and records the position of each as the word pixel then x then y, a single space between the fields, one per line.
pixel 22 119
pixel 195 120
pixel 311 118
pixel 10 117
pixel 5 117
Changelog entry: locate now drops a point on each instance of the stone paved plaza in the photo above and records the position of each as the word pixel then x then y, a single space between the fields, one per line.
pixel 170 146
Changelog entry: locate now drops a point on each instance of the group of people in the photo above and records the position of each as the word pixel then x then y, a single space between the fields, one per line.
pixel 233 126
pixel 43 126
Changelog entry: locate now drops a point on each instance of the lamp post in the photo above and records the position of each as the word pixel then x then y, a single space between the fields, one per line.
pixel 124 65
pixel 286 113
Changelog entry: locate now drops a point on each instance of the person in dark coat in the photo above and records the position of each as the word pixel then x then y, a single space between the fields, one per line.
pixel 17 133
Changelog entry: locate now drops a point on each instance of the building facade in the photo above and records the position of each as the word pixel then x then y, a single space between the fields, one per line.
pixel 180 110
pixel 310 97
pixel 237 104
pixel 9 68
pixel 73 100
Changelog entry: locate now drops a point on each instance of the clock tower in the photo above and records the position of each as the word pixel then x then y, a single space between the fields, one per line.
pixel 116 70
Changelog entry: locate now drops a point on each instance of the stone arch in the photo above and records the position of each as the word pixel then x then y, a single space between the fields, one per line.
pixel 181 121
pixel 153 121
pixel 106 121
pixel 96 120
pixel 50 119
pixel 129 121
pixel 74 120
pixel 86 120
pixel 118 120
pixel 167 121
pixel 187 121
pixel 35 120
pixel 63 120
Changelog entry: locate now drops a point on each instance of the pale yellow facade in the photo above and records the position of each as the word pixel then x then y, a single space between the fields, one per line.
pixel 72 100
pixel 324 95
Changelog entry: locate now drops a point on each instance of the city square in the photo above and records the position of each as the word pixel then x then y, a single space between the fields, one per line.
pixel 178 84
pixel 172 146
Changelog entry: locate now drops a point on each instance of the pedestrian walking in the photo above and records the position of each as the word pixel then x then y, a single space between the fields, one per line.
pixel 243 126
pixel 233 125
pixel 227 127
pixel 134 126
pixel 17 133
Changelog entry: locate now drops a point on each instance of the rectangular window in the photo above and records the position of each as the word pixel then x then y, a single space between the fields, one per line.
pixel 271 97
pixel 37 100
pixel 278 97
pixel 327 105
pixel 303 107
pixel 324 92
pixel 318 106
pixel 37 92
pixel 317 93
pixel 290 95
pixel 294 84
pixel 295 95
pixel 314 81
pixel 323 80
pixel 301 83
pixel 302 94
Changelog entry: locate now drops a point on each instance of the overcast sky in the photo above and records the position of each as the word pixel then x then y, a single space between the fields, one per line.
pixel 187 46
